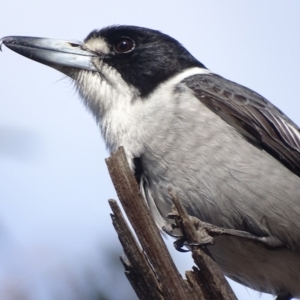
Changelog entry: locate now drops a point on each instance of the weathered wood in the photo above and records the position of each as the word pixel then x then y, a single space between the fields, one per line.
pixel 211 275
pixel 195 280
pixel 172 284
pixel 153 262
pixel 137 268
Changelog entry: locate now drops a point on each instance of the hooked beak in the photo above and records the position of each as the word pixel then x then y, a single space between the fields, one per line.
pixel 58 54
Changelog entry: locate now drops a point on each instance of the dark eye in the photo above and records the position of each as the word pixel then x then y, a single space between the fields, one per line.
pixel 124 45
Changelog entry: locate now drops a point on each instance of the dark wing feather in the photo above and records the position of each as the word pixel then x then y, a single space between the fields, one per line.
pixel 253 116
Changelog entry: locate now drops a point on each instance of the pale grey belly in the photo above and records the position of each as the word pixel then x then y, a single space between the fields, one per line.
pixel 256 266
pixel 235 186
pixel 232 185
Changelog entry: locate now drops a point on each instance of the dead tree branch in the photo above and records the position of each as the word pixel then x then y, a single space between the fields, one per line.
pixel 149 267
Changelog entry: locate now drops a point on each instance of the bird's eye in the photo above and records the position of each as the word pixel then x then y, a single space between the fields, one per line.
pixel 124 45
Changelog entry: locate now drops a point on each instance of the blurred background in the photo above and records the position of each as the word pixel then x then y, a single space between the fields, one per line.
pixel 56 237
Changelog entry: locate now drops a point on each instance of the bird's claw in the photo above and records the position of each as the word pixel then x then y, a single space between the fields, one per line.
pixel 206 233
pixel 203 239
pixel 179 244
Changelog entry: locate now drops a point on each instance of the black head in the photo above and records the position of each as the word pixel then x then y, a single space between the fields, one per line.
pixel 144 57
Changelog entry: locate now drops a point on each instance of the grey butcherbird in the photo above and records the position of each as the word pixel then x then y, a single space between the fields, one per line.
pixel 232 157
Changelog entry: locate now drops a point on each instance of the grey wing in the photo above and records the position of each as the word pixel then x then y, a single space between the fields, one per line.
pixel 253 116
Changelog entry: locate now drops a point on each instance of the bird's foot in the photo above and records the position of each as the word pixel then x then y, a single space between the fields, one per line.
pixel 203 236
pixel 206 233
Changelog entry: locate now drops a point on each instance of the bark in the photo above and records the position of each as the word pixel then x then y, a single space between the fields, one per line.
pixel 148 264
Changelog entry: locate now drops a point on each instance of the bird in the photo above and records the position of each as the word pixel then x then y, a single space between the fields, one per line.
pixel 232 157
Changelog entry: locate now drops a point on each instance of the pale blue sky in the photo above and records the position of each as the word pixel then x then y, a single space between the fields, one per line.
pixel 54 186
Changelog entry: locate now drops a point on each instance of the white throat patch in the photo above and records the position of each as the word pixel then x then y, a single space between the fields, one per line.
pixel 124 118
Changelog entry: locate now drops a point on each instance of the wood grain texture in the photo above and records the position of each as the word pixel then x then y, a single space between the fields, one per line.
pixel 148 264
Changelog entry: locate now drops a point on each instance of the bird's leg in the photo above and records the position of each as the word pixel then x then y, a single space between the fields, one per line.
pixel 207 232
pixel 203 236
pixel 284 296
pixel 212 230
